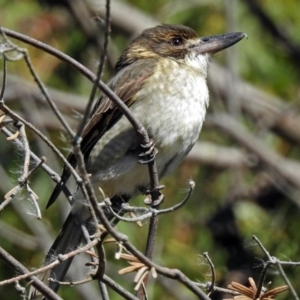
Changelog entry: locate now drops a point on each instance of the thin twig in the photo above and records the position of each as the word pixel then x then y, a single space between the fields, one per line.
pixel 154 220
pixel 26 153
pixel 262 278
pixel 72 283
pixel 77 151
pixel 103 290
pixel 143 217
pixel 151 237
pixel 25 174
pixel 270 26
pixel 261 246
pixel 39 83
pixel 283 275
pixel 147 212
pixel 177 206
pixel 85 72
pixel 47 96
pixel 60 259
pixel 273 161
pixel 43 137
pixel 213 272
pixel 86 187
pixel 101 261
pixel 208 285
pixel 290 263
pixel 10 195
pixel 43 159
pixel 34 199
pixel 4 77
pixel 103 53
pixel 19 268
pixel 17 237
pixel 265 269
pixel 117 288
pixel 272 261
pixel 55 177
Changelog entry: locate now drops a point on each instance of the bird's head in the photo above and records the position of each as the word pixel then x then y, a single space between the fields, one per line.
pixel 177 42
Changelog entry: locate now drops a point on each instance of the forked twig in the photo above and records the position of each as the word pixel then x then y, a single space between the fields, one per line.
pixel 273 261
pixel 213 272
pixel 40 84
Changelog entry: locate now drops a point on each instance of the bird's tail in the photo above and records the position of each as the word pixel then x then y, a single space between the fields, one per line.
pixel 68 239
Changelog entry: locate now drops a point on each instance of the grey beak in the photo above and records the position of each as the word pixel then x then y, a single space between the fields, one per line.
pixel 216 43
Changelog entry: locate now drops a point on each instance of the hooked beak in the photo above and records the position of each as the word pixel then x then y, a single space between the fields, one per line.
pixel 216 43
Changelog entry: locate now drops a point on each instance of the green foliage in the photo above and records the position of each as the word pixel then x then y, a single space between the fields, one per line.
pixel 183 235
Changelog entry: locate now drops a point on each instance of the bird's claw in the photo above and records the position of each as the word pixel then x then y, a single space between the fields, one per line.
pixel 149 154
pixel 155 193
pixel 157 202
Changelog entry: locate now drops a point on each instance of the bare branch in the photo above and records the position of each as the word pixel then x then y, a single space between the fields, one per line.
pixel 42 136
pixel 102 58
pixel 53 175
pixel 213 272
pixel 117 288
pixel 4 78
pixel 17 237
pixel 18 267
pixel 278 33
pixel 56 262
pixel 258 105
pixel 273 261
pixel 271 159
pixel 40 84
pixel 285 278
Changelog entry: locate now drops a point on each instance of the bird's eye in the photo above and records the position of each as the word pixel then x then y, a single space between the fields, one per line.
pixel 177 41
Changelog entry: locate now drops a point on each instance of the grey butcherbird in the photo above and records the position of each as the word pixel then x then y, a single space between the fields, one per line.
pixel 161 76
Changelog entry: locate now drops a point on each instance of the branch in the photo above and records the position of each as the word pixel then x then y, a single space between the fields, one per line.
pixel 284 167
pixel 17 237
pixel 13 48
pixel 278 33
pixel 18 267
pixel 272 260
pixel 85 72
pixel 257 104
pixel 103 53
pixel 137 125
pixel 126 17
pixel 14 116
pixel 59 260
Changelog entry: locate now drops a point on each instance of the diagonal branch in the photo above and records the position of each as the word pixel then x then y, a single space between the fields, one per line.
pixel 273 29
pixel 18 267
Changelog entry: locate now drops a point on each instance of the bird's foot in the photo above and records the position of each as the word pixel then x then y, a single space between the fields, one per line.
pixel 148 154
pixel 154 194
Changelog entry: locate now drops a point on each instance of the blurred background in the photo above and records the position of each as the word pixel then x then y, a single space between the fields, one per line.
pixel 245 165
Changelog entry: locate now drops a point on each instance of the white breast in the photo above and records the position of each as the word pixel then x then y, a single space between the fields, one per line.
pixel 175 106
pixel 174 102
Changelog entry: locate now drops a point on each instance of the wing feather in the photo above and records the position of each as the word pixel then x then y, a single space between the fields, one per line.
pixel 126 83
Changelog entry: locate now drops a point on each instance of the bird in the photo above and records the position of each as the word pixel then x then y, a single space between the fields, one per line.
pixel 161 77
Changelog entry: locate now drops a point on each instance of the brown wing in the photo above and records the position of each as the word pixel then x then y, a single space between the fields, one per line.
pixel 126 83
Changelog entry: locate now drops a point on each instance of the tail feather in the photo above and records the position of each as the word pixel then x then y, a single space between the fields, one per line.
pixel 68 239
